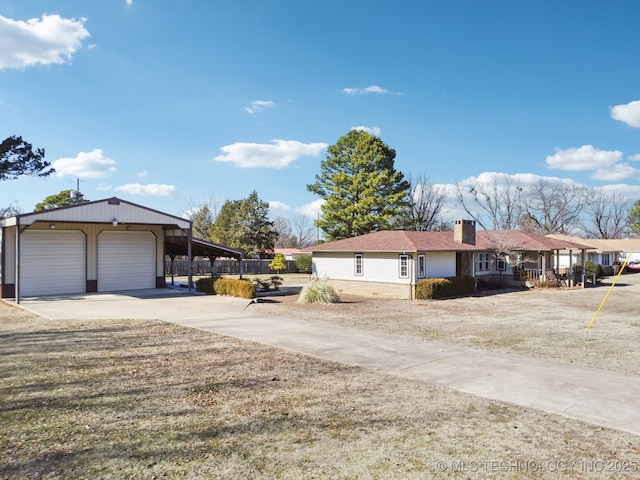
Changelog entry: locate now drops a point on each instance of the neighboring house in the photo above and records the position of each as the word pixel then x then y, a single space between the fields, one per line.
pixel 603 251
pixel 391 262
pixel 99 246
pixel 290 253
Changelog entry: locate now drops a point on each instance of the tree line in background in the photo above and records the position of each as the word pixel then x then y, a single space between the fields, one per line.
pixel 363 192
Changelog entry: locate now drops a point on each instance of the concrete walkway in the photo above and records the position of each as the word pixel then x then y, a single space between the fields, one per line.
pixel 600 397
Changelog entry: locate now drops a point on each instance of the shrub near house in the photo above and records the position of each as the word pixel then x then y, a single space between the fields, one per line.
pixel 226 286
pixel 432 288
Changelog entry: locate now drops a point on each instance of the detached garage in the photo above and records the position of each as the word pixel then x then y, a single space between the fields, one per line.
pixel 101 246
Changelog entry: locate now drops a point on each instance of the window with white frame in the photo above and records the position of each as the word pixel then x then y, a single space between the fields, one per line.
pixel 357 267
pixel 403 270
pixel 606 259
pixel 501 264
pixel 482 262
pixel 422 266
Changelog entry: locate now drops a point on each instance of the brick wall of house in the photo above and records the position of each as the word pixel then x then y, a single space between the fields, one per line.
pixel 379 289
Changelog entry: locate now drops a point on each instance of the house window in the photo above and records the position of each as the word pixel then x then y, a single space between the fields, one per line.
pixel 501 264
pixel 482 263
pixel 404 266
pixel 422 266
pixel 357 263
pixel 606 259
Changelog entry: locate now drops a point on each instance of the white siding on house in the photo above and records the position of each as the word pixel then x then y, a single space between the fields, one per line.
pixel 53 262
pixel 441 264
pixel 382 267
pixel 376 267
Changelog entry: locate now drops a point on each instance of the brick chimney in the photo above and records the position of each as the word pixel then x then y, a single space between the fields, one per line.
pixel 464 231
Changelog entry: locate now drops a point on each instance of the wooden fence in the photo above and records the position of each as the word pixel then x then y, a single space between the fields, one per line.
pixel 202 266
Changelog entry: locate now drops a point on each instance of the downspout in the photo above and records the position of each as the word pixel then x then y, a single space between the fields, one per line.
pixel 412 277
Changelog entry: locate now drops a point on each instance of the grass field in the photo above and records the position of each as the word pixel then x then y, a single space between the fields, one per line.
pixel 148 400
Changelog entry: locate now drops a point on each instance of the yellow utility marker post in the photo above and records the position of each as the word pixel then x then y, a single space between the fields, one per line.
pixel 606 296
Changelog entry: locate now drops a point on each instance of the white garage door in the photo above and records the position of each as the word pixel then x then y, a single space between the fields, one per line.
pixel 126 261
pixel 52 262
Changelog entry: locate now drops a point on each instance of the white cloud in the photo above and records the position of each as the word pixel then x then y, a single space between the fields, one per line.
pixel 375 89
pixel 635 157
pixel 129 2
pixel 587 157
pixel 52 39
pixel 616 173
pixel 278 209
pixel 91 164
pixel 278 154
pixel 629 113
pixel 142 174
pixel 259 105
pixel 152 189
pixel 105 187
pixel 312 209
pixel 371 130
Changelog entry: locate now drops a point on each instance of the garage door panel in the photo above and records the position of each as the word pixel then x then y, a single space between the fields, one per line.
pixel 52 262
pixel 126 261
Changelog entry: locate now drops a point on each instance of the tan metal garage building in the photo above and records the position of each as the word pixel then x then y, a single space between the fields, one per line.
pixel 100 246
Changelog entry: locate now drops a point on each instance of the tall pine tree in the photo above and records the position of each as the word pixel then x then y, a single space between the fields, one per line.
pixel 363 191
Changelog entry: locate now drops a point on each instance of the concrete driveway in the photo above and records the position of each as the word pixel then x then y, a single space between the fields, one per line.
pixel 597 396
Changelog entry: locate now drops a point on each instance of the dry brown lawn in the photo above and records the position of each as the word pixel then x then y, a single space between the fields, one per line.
pixel 545 323
pixel 146 399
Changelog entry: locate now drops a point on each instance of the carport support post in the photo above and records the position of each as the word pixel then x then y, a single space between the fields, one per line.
pixel 172 257
pixel 189 269
pixel 17 262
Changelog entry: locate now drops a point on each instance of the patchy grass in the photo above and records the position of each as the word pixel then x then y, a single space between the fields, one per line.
pixel 544 323
pixel 145 400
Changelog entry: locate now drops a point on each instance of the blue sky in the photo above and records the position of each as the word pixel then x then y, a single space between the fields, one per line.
pixel 170 103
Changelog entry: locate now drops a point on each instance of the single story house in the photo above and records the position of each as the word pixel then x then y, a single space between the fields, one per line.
pixel 603 251
pixel 391 262
pixel 99 246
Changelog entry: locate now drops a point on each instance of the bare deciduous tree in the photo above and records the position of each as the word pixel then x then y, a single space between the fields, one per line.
pixel 496 204
pixel 10 211
pixel 203 214
pixel 283 227
pixel 553 207
pixel 606 215
pixel 425 204
pixel 303 231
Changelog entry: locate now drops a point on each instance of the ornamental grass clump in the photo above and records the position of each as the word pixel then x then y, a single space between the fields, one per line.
pixel 318 291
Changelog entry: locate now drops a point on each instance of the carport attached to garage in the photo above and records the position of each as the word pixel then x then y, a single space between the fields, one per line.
pixel 104 245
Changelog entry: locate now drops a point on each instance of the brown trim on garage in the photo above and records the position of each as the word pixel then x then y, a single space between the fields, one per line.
pixel 92 286
pixel 8 290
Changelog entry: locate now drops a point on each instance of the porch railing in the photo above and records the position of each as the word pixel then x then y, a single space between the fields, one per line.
pixel 538 274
